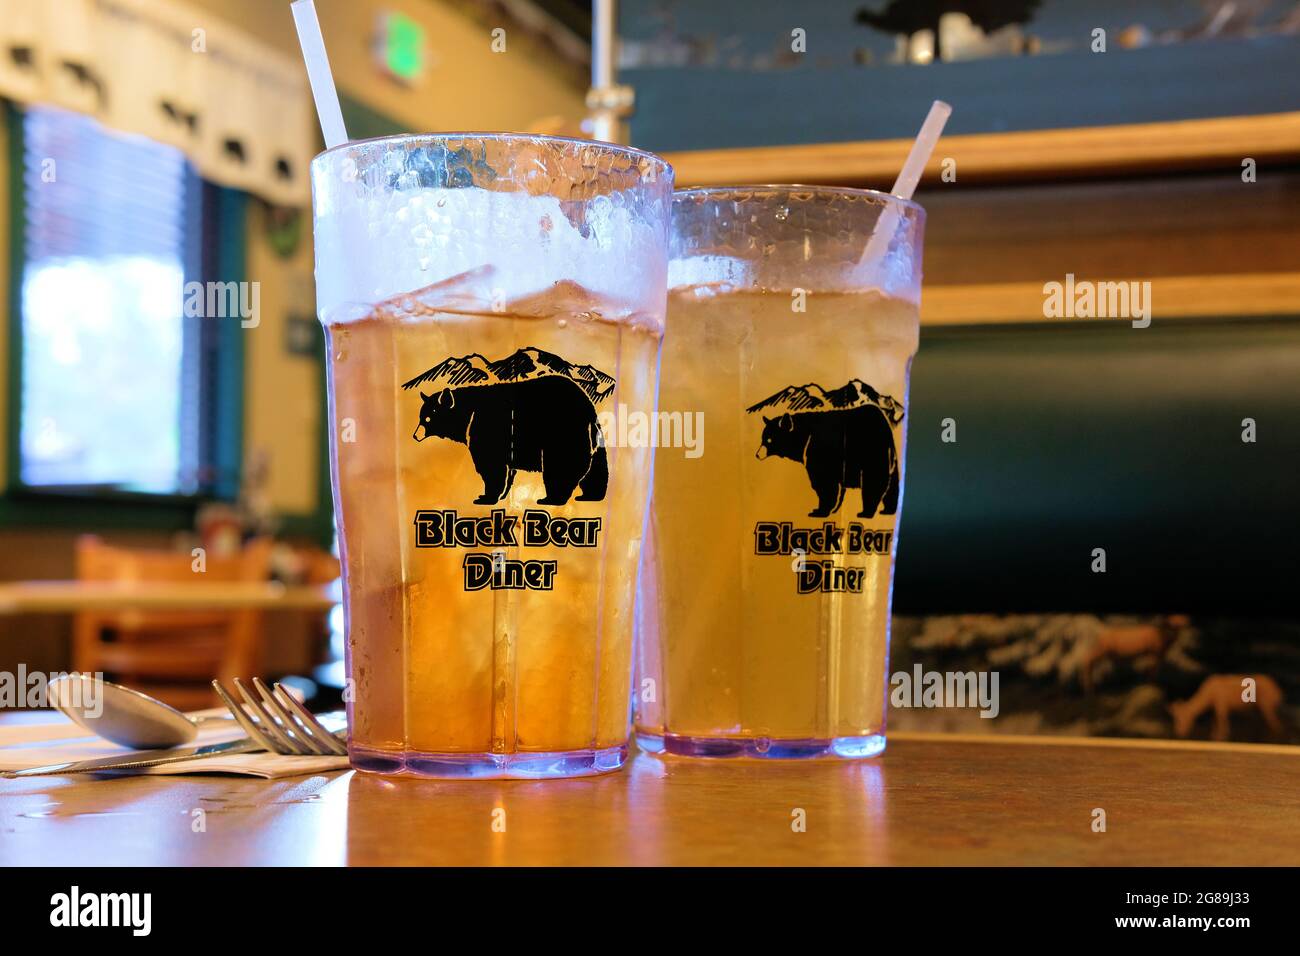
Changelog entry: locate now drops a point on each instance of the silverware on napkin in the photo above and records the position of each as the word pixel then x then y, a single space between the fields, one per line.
pixel 276 723
pixel 140 759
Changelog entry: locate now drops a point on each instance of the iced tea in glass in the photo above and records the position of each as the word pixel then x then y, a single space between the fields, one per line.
pixel 764 620
pixel 488 300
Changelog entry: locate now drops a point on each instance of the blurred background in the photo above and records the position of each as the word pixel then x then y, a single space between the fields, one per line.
pixel 161 379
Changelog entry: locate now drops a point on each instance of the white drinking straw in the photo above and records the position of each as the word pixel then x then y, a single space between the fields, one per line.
pixel 926 140
pixel 908 177
pixel 318 73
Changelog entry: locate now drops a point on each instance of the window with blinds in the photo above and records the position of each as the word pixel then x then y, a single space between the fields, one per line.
pixel 113 387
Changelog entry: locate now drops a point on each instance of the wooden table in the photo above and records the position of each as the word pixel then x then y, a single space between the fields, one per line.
pixel 66 597
pixel 928 800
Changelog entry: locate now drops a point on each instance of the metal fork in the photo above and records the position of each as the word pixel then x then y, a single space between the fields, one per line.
pixel 278 722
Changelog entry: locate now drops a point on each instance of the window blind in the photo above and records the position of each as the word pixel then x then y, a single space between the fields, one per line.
pixel 111 378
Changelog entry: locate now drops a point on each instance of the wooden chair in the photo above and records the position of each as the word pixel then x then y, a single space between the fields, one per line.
pixel 172 655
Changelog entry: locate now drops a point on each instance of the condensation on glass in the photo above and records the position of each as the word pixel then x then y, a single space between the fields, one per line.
pixel 764 613
pixel 492 303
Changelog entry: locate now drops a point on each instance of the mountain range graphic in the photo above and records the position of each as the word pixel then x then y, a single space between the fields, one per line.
pixel 523 365
pixel 812 398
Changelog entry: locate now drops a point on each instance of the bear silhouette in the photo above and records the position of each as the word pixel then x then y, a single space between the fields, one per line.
pixel 841 448
pixel 544 420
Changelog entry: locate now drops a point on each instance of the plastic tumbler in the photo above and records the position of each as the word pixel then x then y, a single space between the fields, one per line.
pixel 764 623
pixel 489 302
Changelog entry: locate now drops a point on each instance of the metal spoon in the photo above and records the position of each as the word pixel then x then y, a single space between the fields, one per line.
pixel 122 715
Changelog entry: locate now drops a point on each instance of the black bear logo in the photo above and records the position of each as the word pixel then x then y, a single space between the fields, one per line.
pixel 844 438
pixel 531 411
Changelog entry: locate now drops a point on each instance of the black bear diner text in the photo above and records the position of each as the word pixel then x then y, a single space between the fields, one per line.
pixel 447 529
pixel 498 530
pixel 783 538
pixel 500 573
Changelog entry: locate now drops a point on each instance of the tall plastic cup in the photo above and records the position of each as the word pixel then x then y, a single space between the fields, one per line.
pixel 489 300
pixel 764 623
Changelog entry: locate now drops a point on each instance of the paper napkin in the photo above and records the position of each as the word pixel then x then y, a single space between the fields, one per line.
pixel 24 746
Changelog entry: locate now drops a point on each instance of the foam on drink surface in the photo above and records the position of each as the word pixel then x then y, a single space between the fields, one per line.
pixel 375 245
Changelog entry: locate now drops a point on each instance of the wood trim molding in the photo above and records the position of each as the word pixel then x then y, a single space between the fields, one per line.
pixel 1033 154
pixel 1238 295
pixel 1125 743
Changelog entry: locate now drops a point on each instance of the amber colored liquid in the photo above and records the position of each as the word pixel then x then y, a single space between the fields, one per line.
pixel 439 669
pixel 733 650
